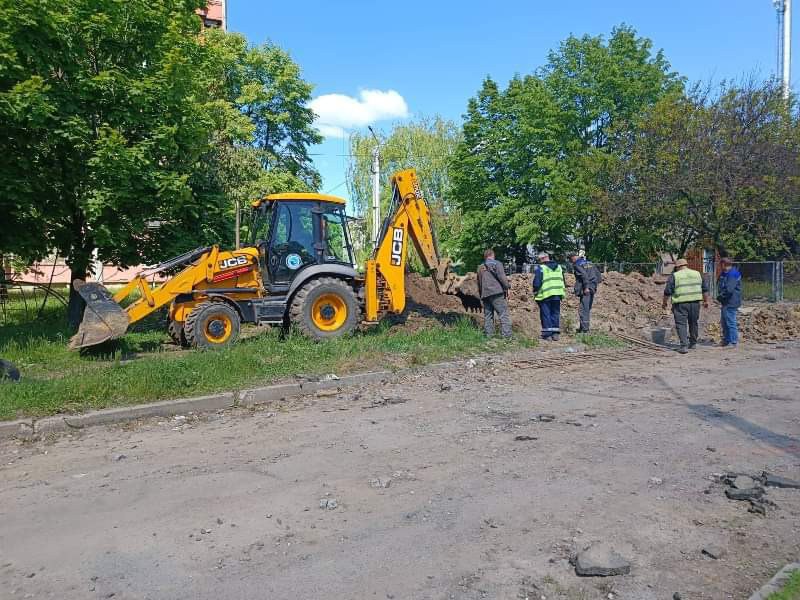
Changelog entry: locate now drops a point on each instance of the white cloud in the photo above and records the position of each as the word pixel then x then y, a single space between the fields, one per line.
pixel 336 113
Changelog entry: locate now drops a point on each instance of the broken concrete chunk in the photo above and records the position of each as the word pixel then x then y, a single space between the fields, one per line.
pixel 715 552
pixel 328 503
pixel 743 482
pixel 746 494
pixel 779 482
pixel 380 482
pixel 525 438
pixel 600 560
pixel 546 418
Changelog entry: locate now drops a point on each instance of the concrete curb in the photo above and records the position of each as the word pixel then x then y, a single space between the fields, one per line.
pixel 12 429
pixel 776 583
pixel 168 408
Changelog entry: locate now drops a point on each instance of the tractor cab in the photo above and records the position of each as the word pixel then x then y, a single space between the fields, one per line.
pixel 296 231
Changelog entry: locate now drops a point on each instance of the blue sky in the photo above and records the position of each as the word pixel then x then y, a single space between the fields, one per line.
pixel 435 54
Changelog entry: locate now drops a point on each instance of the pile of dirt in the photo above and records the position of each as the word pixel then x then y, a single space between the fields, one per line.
pixel 625 303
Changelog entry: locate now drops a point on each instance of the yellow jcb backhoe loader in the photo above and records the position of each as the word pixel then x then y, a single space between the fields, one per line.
pixel 298 270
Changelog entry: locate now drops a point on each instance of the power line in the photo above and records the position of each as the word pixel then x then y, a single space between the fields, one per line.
pixel 336 187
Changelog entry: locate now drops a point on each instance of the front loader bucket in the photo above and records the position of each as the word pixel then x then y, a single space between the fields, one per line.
pixel 103 318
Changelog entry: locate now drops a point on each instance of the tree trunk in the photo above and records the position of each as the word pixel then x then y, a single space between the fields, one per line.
pixel 78 267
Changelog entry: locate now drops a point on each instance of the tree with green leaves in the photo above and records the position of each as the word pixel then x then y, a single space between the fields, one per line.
pixel 126 131
pixel 427 145
pixel 714 167
pixel 526 172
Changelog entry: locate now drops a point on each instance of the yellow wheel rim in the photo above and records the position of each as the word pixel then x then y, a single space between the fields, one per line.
pixel 329 312
pixel 218 328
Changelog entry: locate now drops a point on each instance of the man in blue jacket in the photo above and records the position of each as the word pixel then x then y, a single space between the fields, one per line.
pixel 549 288
pixel 729 295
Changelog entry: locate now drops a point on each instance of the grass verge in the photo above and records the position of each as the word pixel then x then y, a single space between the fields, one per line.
pixel 790 591
pixel 141 367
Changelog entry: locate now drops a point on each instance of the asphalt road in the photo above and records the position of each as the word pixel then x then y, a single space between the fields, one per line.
pixel 434 495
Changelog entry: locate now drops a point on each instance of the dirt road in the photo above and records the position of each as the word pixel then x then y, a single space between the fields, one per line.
pixel 427 491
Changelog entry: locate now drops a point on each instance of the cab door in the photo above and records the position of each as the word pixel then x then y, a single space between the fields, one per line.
pixel 293 243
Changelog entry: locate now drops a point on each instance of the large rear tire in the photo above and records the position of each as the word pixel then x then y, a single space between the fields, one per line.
pixel 177 333
pixel 325 308
pixel 212 325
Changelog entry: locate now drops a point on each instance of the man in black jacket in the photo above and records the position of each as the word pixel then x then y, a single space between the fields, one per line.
pixel 493 287
pixel 587 278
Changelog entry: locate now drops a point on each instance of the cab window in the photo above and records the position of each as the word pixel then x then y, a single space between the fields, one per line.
pixel 334 236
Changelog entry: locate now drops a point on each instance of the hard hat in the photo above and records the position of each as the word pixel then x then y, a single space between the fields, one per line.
pixel 681 262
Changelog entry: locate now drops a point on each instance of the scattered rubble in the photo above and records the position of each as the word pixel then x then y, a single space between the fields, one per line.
pixel 380 482
pixel 328 503
pixel 525 438
pixel 600 560
pixel 747 488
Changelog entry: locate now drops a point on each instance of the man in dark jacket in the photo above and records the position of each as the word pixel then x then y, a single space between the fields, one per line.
pixel 729 295
pixel 493 288
pixel 586 281
pixel 549 289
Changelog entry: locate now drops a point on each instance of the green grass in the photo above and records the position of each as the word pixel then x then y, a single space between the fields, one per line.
pixel 142 367
pixel 790 591
pixel 598 340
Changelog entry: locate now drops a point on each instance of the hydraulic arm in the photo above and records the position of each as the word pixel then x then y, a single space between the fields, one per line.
pixel 408 217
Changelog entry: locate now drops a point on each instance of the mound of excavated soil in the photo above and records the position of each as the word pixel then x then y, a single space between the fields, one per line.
pixel 628 304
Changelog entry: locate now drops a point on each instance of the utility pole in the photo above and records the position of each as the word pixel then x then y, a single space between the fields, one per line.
pixel 238 223
pixel 784 11
pixel 787 47
pixel 376 188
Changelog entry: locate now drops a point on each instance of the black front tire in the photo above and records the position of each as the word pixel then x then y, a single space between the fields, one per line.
pixel 325 308
pixel 212 325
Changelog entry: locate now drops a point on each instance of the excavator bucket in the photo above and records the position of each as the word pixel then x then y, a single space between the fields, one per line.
pixel 103 318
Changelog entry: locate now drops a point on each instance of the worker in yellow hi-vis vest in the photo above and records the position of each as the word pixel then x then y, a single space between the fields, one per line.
pixel 686 287
pixel 549 289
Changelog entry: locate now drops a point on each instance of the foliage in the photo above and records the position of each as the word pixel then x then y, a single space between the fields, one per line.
pixel 526 170
pixel 720 169
pixel 128 132
pixel 427 145
pixel 264 84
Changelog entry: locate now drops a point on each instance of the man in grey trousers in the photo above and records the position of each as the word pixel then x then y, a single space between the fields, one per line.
pixel 493 287
pixel 587 278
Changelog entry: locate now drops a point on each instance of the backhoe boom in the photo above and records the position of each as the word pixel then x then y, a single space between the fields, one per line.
pixel 408 217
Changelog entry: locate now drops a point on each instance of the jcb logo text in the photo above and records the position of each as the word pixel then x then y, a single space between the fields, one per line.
pixel 233 261
pixel 397 246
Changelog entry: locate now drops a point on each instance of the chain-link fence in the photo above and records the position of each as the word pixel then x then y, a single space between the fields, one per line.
pixel 766 281
pixel 790 281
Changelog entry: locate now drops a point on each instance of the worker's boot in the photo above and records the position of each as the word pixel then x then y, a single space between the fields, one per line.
pixel 683 350
pixel 555 337
pixel 692 345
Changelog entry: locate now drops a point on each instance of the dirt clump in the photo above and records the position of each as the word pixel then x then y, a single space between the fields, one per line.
pixel 625 303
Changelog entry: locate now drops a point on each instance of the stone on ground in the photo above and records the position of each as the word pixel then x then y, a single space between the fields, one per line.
pixel 600 560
